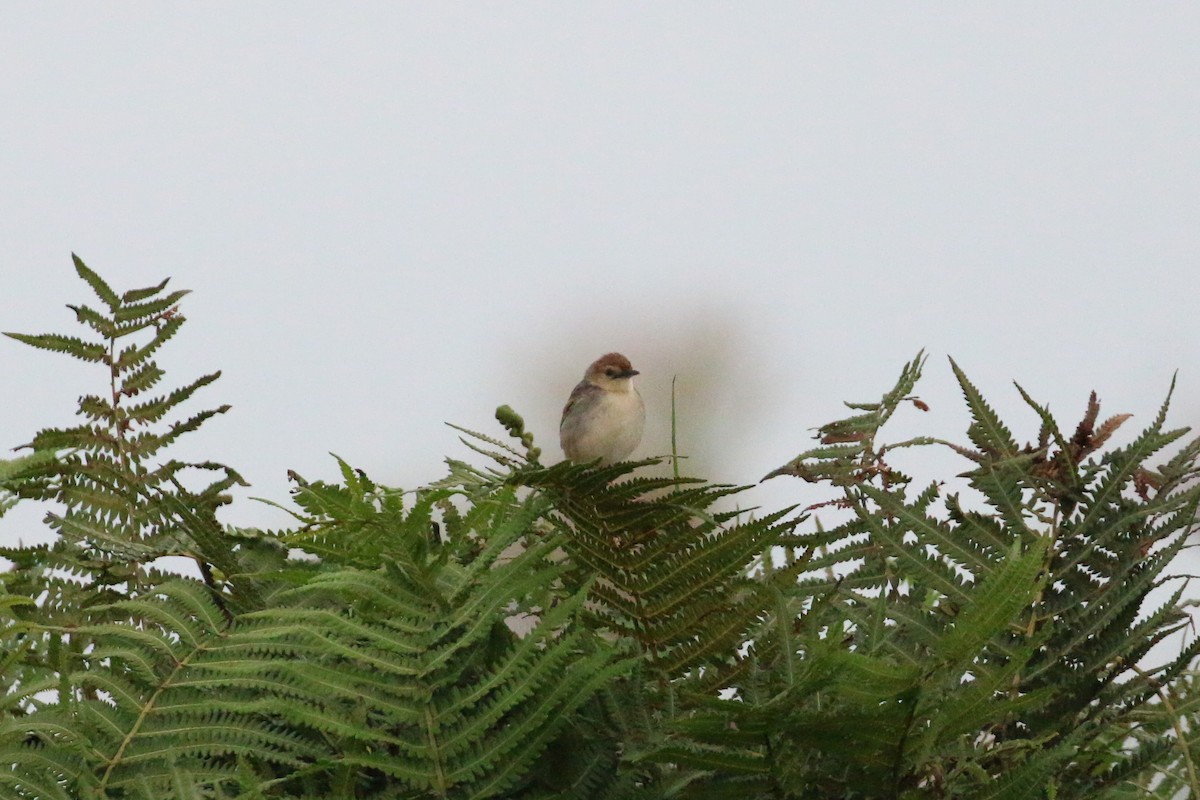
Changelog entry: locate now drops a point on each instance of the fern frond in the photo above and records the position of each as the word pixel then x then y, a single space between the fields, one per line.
pixel 70 345
pixel 987 432
pixel 96 321
pixel 137 295
pixel 137 313
pixel 1000 598
pixel 584 631
pixel 102 289
pixel 154 410
pixel 135 356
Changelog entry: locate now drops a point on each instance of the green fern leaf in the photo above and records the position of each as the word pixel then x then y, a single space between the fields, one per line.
pixel 999 599
pixel 1028 780
pixel 137 295
pixel 134 356
pixel 96 321
pixel 72 346
pixel 155 410
pixel 138 313
pixel 102 289
pixel 987 432
pixel 141 379
pixel 930 531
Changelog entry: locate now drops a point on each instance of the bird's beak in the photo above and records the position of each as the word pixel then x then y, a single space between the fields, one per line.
pixel 628 373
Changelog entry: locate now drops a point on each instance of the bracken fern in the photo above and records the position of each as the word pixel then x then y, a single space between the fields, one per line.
pixel 516 630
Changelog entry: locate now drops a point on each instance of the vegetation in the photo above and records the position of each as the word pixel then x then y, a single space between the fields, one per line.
pixel 989 636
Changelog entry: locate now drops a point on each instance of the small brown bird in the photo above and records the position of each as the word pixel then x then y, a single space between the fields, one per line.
pixel 605 415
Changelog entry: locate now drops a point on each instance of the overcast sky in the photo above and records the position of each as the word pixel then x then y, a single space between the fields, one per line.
pixel 396 215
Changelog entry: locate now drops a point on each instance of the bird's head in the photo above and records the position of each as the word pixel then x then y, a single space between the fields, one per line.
pixel 611 372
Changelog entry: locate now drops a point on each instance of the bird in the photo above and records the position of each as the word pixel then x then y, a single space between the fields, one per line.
pixel 604 417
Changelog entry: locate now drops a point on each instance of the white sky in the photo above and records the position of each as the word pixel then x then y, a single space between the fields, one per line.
pixel 395 215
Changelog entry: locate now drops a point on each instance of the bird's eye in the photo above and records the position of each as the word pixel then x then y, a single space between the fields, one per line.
pixel 610 372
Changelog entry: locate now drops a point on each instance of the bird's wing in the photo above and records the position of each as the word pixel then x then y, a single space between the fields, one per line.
pixel 581 390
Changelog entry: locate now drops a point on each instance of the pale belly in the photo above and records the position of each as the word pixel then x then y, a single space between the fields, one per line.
pixel 609 430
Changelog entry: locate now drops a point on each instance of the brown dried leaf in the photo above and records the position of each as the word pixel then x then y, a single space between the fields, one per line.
pixel 842 438
pixel 1108 428
pixel 919 403
pixel 1051 470
pixel 1083 434
pixel 838 503
pixel 1044 437
pixel 1143 481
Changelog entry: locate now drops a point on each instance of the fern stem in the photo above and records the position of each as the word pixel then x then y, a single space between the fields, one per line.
pixel 115 426
pixel 141 719
pixel 674 443
pixel 1031 625
pixel 435 755
pixel 1051 553
pixel 898 762
pixel 1180 735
